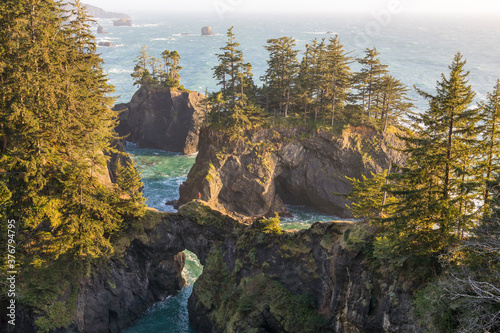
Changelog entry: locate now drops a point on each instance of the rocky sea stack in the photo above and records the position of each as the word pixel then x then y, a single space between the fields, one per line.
pixel 162 118
pixel 256 175
pixel 207 31
pixel 123 22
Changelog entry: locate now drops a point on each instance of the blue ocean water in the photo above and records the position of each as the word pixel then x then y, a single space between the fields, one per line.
pixel 417 50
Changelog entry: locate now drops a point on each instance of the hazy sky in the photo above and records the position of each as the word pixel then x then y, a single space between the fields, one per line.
pixel 241 6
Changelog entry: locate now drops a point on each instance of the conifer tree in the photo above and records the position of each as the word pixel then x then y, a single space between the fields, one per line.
pixel 227 72
pixel 56 123
pixel 368 80
pixel 395 101
pixel 141 72
pixel 281 73
pixel 338 75
pixel 489 165
pixel 436 190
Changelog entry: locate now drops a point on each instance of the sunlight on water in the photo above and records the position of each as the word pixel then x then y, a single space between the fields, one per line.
pixel 304 217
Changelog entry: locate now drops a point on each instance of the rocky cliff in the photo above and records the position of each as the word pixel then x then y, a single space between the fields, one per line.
pixel 255 175
pixel 162 118
pixel 256 278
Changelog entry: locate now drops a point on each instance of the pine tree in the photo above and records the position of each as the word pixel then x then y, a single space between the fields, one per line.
pixel 489 165
pixel 369 197
pixel 141 72
pixel 338 75
pixel 56 123
pixel 435 186
pixel 281 73
pixel 171 65
pixel 395 101
pixel 368 80
pixel 227 72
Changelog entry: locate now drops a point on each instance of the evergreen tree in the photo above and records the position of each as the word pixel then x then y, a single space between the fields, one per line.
pixel 56 123
pixel 395 101
pixel 369 197
pixel 436 189
pixel 338 75
pixel 368 80
pixel 171 63
pixel 141 72
pixel 281 73
pixel 227 72
pixel 489 165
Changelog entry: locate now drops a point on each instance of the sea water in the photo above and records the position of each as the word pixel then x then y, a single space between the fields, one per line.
pixel 417 50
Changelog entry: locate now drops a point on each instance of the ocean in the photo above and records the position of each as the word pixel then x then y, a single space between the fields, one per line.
pixel 417 49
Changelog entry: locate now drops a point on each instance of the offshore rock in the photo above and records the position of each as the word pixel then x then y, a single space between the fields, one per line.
pixel 254 176
pixel 207 31
pixel 104 43
pixel 123 22
pixel 162 118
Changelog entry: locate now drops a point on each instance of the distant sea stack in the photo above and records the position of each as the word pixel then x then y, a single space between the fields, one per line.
pixel 107 44
pixel 123 22
pixel 100 30
pixel 207 31
pixel 162 118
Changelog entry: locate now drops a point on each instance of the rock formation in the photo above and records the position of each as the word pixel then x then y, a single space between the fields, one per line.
pixel 255 176
pixel 104 43
pixel 162 118
pixel 100 30
pixel 207 31
pixel 123 22
pixel 256 277
pixel 259 278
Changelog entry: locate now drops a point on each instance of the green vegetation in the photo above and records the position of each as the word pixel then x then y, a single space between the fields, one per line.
pixel 56 129
pixel 439 208
pixel 320 92
pixel 238 305
pixel 150 71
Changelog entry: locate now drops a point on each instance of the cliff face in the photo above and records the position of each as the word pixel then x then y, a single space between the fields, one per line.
pixel 162 118
pixel 255 177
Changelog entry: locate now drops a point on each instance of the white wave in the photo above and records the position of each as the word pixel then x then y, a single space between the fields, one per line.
pixel 118 71
pixel 169 38
pixel 322 33
pixel 145 25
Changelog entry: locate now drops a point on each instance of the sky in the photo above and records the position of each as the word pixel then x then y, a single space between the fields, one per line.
pixel 325 6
